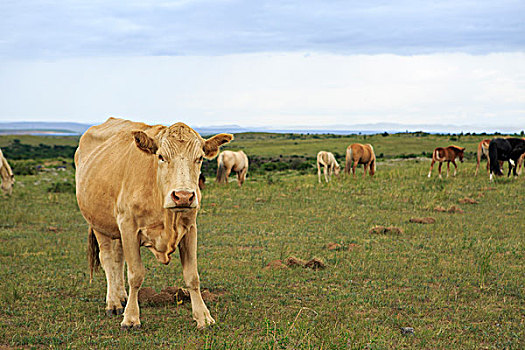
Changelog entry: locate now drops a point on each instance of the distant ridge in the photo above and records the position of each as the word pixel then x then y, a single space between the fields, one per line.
pixel 71 128
pixel 43 128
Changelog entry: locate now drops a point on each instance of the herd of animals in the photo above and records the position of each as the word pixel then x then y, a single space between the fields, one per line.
pixel 140 185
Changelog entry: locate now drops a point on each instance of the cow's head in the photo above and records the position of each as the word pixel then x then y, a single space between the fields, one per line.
pixel 180 151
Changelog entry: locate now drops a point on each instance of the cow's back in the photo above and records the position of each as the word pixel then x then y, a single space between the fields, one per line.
pixel 111 170
pixel 98 134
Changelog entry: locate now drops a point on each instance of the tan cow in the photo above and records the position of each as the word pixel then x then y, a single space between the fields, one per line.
pixel 137 185
pixel 329 163
pixel 357 153
pixel 228 161
pixel 483 150
pixel 8 178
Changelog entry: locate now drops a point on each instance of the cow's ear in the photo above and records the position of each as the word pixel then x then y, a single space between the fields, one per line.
pixel 144 142
pixel 211 145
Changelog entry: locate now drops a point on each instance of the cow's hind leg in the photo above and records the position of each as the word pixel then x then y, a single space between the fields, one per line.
pixel 188 257
pixel 112 262
pixel 439 169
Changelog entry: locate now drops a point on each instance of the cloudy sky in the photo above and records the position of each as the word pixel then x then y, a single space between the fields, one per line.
pixel 264 63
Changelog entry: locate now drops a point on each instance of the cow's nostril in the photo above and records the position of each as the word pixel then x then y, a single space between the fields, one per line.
pixel 192 197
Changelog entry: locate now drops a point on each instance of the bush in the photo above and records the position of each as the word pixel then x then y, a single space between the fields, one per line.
pixel 24 167
pixel 62 187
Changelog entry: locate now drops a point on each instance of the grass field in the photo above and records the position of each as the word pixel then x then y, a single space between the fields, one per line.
pixel 458 282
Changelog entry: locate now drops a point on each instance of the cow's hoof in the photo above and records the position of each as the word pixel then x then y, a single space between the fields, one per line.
pixel 204 323
pixel 115 311
pixel 130 327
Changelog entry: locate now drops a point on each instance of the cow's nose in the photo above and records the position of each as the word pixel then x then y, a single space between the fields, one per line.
pixel 183 198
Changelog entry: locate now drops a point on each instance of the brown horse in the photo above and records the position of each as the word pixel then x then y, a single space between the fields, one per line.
pixel 448 154
pixel 228 161
pixel 357 153
pixel 483 150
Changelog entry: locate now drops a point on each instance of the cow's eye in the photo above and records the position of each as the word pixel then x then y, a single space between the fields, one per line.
pixel 161 158
pixel 200 159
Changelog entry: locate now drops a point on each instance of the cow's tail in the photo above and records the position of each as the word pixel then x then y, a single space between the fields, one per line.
pixel 493 157
pixel 221 172
pixel 93 253
pixel 349 160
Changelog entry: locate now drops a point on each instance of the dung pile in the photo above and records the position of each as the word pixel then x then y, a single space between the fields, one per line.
pixel 426 220
pixel 383 230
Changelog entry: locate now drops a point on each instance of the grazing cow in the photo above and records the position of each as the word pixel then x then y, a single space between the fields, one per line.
pixel 357 153
pixel 447 154
pixel 228 161
pixel 483 150
pixel 137 185
pixel 329 163
pixel 510 149
pixel 520 163
pixel 8 178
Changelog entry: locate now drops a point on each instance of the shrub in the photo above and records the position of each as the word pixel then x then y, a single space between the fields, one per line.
pixel 62 187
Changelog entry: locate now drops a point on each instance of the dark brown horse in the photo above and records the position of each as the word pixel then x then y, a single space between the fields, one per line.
pixel 448 154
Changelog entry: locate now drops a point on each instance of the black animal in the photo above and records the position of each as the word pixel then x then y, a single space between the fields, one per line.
pixel 505 150
pixel 202 181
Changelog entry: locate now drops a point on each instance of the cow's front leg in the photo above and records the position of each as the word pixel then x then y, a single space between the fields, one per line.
pixel 136 272
pixel 188 257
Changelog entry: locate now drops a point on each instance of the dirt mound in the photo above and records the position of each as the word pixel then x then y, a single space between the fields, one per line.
pixel 172 295
pixel 315 264
pixel 386 230
pixel 468 200
pixel 452 209
pixel 293 261
pixel 145 294
pixel 426 220
pixel 276 264
pixel 334 246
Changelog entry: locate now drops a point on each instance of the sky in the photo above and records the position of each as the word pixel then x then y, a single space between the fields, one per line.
pixel 265 63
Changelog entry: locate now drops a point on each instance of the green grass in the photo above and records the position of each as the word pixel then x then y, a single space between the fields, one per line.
pixel 458 282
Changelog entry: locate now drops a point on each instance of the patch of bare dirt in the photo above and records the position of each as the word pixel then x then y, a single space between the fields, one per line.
pixel 315 264
pixel 173 295
pixel 452 209
pixel 334 246
pixel 276 264
pixel 425 220
pixel 468 200
pixel 53 229
pixel 293 261
pixel 386 230
pixel 353 246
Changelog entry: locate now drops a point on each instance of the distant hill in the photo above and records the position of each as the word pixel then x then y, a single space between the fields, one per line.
pixel 68 128
pixel 42 128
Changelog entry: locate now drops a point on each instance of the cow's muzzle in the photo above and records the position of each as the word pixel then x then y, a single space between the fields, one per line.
pixel 183 199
